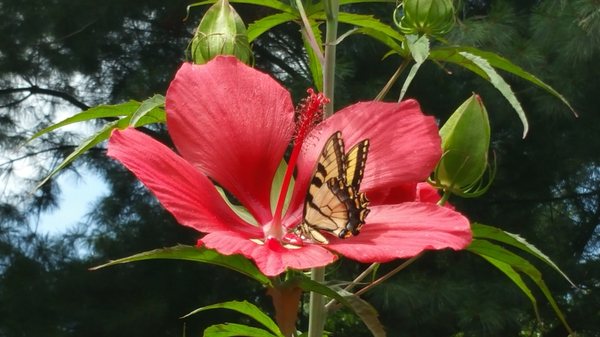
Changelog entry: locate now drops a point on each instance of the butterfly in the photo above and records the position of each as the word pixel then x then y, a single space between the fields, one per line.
pixel 333 203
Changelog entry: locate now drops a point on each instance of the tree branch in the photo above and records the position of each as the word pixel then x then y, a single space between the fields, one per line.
pixel 34 89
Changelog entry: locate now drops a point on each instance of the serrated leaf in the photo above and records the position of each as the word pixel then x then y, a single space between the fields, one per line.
pixel 258 27
pixel 362 20
pixel 146 108
pixel 383 38
pixel 245 308
pixel 500 62
pixel 233 329
pixel 419 49
pixel 499 83
pixel 197 254
pixel 314 63
pixel 493 233
pixel 492 252
pixel 367 313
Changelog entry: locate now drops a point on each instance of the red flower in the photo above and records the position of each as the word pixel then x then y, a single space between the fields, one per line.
pixel 233 124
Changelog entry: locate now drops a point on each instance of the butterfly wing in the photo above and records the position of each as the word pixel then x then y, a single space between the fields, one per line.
pixel 333 203
pixel 322 209
pixel 356 159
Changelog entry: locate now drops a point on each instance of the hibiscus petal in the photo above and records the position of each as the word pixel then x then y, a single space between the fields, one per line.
pixel 405 230
pixel 271 262
pixel 404 143
pixel 181 189
pixel 234 123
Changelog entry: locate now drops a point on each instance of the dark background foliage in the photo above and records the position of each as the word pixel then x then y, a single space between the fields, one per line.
pixel 57 55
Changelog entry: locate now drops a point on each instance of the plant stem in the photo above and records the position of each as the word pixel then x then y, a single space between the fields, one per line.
pixel 393 79
pixel 316 320
pixel 310 35
pixel 316 311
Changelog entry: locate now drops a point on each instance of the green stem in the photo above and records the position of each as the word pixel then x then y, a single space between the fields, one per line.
pixel 316 311
pixel 445 197
pixel 310 35
pixel 316 320
pixel 393 79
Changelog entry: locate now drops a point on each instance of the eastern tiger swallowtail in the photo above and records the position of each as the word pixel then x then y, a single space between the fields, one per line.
pixel 333 203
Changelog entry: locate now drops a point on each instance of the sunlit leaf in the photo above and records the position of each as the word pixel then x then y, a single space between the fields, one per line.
pixel 497 81
pixel 258 27
pixel 87 144
pixel 493 233
pixel 197 254
pixel 502 257
pixel 419 49
pixel 500 62
pixel 98 112
pixel 247 309
pixel 145 109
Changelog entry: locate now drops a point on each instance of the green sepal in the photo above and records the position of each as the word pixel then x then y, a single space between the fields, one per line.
pixel 465 142
pixel 220 32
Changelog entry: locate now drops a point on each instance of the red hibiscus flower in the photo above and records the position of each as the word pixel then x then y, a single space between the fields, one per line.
pixel 231 125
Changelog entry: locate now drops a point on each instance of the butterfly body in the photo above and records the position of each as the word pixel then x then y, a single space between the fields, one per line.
pixel 333 202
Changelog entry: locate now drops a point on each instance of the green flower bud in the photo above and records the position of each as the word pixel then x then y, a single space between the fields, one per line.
pixel 220 32
pixel 465 142
pixel 425 17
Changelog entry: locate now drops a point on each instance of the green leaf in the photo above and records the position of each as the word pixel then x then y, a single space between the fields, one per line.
pixel 305 283
pixel 497 81
pixel 233 329
pixel 197 254
pixel 383 38
pixel 500 62
pixel 366 21
pixel 419 49
pixel 245 308
pixel 147 112
pixel 314 63
pixel 489 232
pixel 258 27
pixel 146 108
pixel 502 257
pixel 87 144
pixel 101 111
pixel 516 278
pixel 366 312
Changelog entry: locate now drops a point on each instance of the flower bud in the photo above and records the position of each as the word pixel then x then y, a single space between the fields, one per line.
pixel 465 142
pixel 429 17
pixel 220 32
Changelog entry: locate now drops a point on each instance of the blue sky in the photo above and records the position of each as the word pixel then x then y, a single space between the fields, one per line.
pixel 76 200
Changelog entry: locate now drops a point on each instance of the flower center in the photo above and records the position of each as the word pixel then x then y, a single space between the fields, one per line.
pixel 309 112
